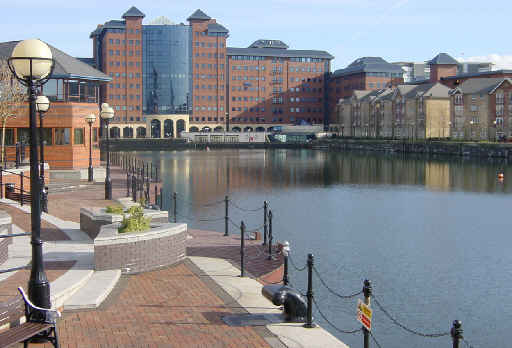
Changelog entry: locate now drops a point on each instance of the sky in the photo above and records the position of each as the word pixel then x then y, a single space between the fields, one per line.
pixel 396 30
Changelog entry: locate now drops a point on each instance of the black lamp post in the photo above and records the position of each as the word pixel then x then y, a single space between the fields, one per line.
pixel 107 113
pixel 42 106
pixel 227 121
pixel 32 63
pixel 90 119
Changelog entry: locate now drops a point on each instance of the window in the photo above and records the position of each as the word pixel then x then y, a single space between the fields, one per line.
pixel 62 136
pixel 78 136
pixel 9 136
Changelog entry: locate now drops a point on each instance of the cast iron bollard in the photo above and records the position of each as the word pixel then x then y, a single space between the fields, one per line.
pixel 286 250
pixel 367 292
pixel 456 333
pixel 134 188
pixel 226 216
pixel 156 195
pixel 161 199
pixel 270 235
pixel 265 228
pixel 242 248
pixel 21 188
pixel 127 184
pixel 294 305
pixel 175 205
pixel 309 317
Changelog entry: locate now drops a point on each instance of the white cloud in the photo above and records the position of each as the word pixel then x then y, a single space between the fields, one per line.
pixel 499 61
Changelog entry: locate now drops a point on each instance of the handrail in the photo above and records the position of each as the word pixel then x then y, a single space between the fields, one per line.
pixel 19 174
pixel 14 235
pixel 13 269
pixel 16 187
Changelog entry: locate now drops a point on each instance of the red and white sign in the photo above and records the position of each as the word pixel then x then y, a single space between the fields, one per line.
pixel 364 315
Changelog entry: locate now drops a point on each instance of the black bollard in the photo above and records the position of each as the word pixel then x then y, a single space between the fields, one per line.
pixel 367 292
pixel 456 333
pixel 161 199
pixel 309 317
pixel 242 248
pixel 286 251
pixel 226 216
pixel 134 188
pixel 265 227
pixel 270 235
pixel 156 195
pixel 127 184
pixel 175 206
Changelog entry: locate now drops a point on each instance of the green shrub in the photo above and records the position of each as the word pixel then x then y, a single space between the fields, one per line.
pixel 115 209
pixel 135 221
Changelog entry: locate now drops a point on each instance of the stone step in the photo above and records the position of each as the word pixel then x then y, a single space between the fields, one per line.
pixel 94 292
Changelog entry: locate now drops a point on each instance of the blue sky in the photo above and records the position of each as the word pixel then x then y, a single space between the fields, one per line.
pixel 397 30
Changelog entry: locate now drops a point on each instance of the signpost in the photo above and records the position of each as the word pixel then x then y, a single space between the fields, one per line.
pixel 364 314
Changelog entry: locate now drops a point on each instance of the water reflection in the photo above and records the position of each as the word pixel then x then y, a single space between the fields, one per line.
pixel 207 175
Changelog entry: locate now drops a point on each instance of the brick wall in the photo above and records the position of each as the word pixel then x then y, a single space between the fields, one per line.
pixel 141 255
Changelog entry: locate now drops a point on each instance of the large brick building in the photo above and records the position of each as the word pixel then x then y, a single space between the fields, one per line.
pixel 74 93
pixel 258 87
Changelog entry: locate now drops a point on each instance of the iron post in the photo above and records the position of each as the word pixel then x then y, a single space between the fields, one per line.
pixel 108 180
pixel 242 248
pixel 309 317
pixel 367 292
pixel 286 251
pixel 456 333
pixel 270 235
pixel 226 216
pixel 265 227
pixel 175 205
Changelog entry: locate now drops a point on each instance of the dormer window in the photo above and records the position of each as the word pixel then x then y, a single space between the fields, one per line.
pixel 458 99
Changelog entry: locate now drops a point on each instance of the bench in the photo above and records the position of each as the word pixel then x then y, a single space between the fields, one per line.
pixel 40 323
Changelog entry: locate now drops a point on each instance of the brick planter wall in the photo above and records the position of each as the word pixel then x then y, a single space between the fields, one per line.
pixel 92 219
pixel 139 252
pixel 5 228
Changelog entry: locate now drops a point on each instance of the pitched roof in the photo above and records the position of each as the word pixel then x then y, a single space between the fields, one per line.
pixel 133 12
pixel 112 24
pixel 442 58
pixel 479 85
pixel 264 43
pixel 435 89
pixel 199 15
pixel 65 65
pixel 277 52
pixel 217 28
pixel 368 64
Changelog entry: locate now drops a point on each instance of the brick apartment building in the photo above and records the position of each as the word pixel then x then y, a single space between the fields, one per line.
pixel 203 80
pixel 74 93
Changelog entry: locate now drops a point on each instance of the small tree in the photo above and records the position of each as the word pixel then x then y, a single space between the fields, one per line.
pixel 12 95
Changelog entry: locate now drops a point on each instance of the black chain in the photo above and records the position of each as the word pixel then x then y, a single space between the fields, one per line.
pixel 334 326
pixel 332 291
pixel 414 332
pixel 244 209
pixel 293 264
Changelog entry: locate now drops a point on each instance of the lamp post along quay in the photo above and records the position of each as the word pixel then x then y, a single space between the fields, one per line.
pixel 90 119
pixel 42 106
pixel 32 64
pixel 107 113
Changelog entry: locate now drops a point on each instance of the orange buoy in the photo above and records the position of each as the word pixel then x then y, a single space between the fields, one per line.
pixel 501 176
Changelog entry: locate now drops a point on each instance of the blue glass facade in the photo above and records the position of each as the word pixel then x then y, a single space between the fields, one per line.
pixel 166 69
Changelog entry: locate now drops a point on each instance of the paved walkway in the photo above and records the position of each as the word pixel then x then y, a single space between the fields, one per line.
pixel 176 306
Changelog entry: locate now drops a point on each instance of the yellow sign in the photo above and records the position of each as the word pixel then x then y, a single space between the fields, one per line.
pixel 364 314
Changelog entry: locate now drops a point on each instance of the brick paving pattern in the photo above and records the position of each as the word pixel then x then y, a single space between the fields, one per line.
pixel 170 307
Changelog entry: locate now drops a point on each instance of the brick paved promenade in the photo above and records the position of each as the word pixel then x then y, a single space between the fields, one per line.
pixel 171 307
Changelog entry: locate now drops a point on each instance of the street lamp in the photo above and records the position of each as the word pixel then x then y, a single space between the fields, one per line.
pixel 107 113
pixel 32 64
pixel 90 119
pixel 42 106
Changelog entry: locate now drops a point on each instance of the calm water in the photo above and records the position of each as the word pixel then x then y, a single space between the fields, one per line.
pixel 433 235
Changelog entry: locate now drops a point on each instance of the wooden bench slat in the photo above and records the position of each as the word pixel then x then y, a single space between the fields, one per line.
pixel 21 333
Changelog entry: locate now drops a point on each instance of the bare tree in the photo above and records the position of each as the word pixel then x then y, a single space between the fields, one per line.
pixel 12 95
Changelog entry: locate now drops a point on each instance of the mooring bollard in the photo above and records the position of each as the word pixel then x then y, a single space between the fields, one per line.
pixel 226 216
pixel 270 234
pixel 175 205
pixel 286 250
pixel 242 248
pixel 367 292
pixel 456 333
pixel 265 228
pixel 309 316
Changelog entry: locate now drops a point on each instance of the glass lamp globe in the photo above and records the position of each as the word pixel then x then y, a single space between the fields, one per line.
pixel 42 103
pixel 36 68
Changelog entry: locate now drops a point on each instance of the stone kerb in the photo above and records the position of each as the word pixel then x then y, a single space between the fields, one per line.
pixel 162 245
pixel 5 229
pixel 92 219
